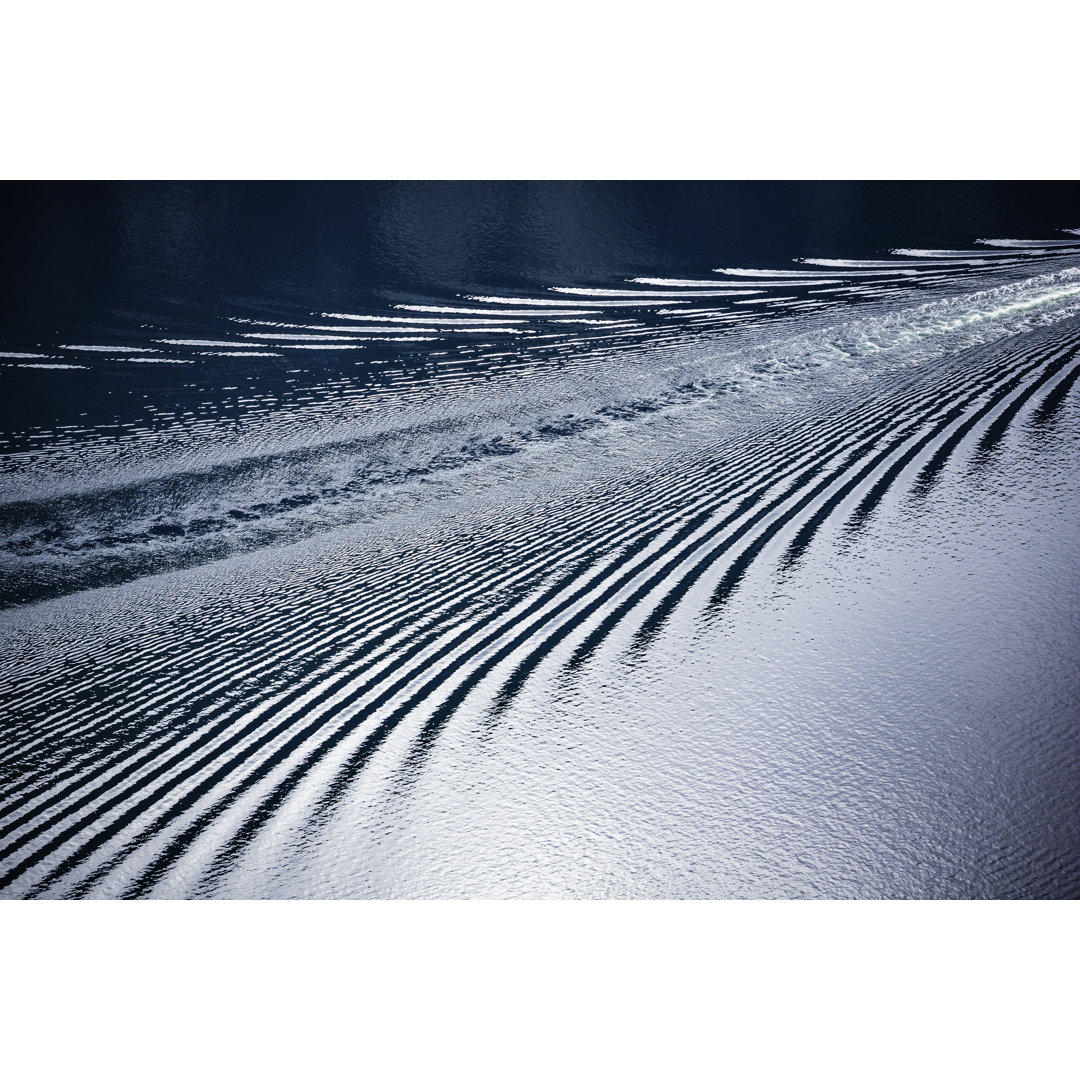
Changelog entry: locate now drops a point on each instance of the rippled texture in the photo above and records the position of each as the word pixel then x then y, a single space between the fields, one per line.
pixel 758 581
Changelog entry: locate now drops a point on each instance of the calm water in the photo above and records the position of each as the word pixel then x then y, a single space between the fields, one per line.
pixel 568 540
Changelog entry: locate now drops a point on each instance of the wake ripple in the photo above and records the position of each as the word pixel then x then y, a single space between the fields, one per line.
pixel 168 750
pixel 546 529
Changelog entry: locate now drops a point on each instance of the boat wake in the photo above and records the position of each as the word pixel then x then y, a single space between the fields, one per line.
pixel 307 599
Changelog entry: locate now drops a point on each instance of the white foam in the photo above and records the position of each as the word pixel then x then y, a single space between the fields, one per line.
pixel 396 319
pixel 766 300
pixel 389 333
pixel 294 337
pixel 502 314
pixel 599 322
pixel 893 264
pixel 557 303
pixel 1029 243
pixel 482 330
pixel 740 272
pixel 691 313
pixel 53 367
pixel 686 283
pixel 105 348
pixel 650 293
pixel 209 344
pixel 937 253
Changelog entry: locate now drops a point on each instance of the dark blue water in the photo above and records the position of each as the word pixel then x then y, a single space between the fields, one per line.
pixel 109 263
pixel 75 253
pixel 539 539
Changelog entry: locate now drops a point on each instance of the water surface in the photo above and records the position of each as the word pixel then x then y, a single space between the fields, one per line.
pixel 593 540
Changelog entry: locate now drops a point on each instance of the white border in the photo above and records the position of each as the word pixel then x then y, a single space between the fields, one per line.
pixel 587 90
pixel 516 989
pixel 227 91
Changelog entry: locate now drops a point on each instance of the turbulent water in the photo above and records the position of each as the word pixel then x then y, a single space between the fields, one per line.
pixel 761 583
